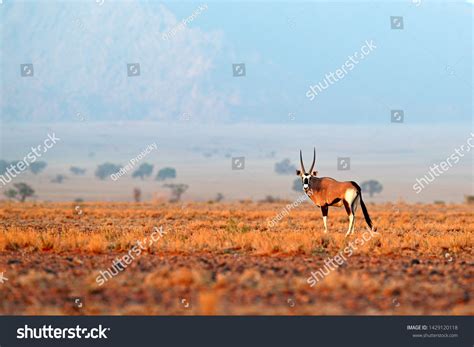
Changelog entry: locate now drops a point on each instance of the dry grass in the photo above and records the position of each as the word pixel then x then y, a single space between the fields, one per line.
pixel 225 259
pixel 201 227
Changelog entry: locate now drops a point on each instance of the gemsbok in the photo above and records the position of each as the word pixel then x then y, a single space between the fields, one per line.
pixel 326 191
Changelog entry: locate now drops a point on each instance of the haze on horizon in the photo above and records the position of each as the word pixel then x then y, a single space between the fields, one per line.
pixel 187 99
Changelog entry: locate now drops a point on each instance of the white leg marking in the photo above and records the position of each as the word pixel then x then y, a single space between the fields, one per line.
pixel 354 206
pixel 350 196
pixel 325 224
pixel 351 223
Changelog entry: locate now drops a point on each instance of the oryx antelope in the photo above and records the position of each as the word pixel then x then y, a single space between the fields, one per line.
pixel 326 191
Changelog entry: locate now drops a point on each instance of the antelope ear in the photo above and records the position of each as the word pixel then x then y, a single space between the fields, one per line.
pixel 315 173
pixel 298 173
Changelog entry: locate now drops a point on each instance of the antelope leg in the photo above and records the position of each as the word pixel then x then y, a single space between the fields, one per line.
pixel 324 210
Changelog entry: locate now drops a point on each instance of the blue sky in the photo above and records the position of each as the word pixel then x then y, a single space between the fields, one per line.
pixel 80 52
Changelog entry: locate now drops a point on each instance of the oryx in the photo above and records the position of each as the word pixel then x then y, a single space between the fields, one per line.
pixel 326 191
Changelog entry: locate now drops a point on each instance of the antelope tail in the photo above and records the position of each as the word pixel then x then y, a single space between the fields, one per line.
pixel 364 208
pixel 366 214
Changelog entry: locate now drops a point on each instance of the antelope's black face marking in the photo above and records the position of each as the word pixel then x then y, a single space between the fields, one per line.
pixel 306 181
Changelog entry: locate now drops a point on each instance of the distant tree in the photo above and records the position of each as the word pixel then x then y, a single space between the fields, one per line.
pixel 137 194
pixel 58 178
pixel 11 194
pixel 372 187
pixel 219 197
pixel 144 170
pixel 24 191
pixel 77 170
pixel 3 166
pixel 285 167
pixel 298 185
pixel 38 166
pixel 106 169
pixel 21 191
pixel 166 173
pixel 271 199
pixel 176 190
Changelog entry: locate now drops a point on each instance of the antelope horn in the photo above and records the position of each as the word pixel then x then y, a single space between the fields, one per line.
pixel 301 161
pixel 314 161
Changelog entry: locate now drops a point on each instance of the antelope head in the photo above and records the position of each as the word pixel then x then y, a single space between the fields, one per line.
pixel 306 175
